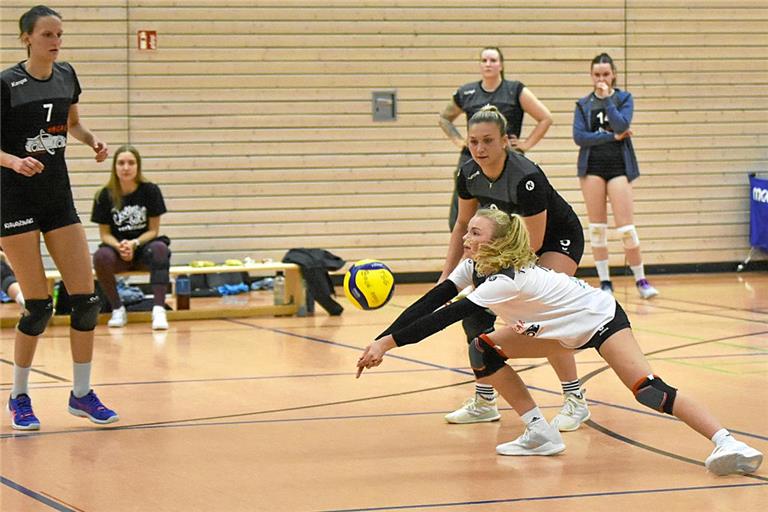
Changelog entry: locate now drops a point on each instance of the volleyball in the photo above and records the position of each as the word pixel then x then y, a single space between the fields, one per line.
pixel 369 284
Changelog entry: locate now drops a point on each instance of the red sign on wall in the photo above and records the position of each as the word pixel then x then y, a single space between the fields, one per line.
pixel 147 39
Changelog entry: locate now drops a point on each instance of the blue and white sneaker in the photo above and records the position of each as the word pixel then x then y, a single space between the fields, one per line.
pixel 89 406
pixel 22 416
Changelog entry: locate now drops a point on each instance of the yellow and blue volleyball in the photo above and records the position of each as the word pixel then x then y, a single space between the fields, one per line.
pixel 369 284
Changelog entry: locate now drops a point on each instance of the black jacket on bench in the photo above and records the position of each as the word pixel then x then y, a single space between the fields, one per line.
pixel 315 264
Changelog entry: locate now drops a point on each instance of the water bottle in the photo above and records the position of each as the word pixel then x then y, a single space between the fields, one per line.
pixel 55 297
pixel 183 292
pixel 279 288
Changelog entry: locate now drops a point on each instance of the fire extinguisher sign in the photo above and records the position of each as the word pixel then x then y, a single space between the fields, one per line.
pixel 147 39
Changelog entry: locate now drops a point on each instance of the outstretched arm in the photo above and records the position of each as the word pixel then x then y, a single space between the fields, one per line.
pixel 415 332
pixel 433 299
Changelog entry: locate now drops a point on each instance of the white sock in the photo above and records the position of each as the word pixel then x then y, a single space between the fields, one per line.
pixel 19 299
pixel 20 380
pixel 603 270
pixel 485 391
pixel 721 436
pixel 532 415
pixel 638 271
pixel 82 381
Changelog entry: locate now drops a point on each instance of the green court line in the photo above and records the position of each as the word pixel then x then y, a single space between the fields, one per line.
pixel 703 366
pixel 664 333
pixel 737 345
pixel 698 338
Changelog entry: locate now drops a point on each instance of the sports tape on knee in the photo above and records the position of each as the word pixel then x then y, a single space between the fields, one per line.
pixel 598 234
pixel 629 236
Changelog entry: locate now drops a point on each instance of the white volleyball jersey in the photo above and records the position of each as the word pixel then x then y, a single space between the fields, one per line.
pixel 540 302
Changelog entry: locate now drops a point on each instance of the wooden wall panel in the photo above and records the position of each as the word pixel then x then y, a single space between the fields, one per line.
pixel 254 116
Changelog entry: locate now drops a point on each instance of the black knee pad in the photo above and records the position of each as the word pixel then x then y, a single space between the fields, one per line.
pixel 485 358
pixel 85 311
pixel 477 324
pixel 37 313
pixel 653 392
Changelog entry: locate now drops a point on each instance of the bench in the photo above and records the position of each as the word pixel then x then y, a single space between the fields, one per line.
pixel 294 292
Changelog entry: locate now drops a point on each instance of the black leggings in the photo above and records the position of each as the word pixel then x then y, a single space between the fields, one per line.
pixel 6 276
pixel 155 256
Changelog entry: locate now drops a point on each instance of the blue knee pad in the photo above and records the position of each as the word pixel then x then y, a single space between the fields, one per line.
pixel 485 357
pixel 37 313
pixel 85 311
pixel 653 392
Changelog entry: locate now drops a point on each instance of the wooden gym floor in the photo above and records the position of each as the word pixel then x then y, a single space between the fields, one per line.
pixel 264 414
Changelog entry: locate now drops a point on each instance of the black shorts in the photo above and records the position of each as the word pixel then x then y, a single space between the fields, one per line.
pixel 567 238
pixel 19 215
pixel 618 323
pixel 608 174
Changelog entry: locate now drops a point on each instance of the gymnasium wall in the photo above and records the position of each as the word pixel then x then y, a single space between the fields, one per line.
pixel 255 116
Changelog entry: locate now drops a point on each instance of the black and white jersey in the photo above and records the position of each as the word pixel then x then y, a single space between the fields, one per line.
pixel 539 302
pixel 522 188
pixel 34 123
pixel 472 97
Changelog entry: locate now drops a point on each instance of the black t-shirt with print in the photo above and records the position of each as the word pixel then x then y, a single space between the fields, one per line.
pixel 133 218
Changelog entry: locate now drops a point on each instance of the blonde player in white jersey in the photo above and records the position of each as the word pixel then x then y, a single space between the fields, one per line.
pixel 559 313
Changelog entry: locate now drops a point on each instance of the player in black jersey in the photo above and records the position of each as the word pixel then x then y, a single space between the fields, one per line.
pixel 607 166
pixel 506 180
pixel 38 109
pixel 512 98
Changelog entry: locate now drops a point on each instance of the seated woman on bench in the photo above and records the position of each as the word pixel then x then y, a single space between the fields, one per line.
pixel 128 211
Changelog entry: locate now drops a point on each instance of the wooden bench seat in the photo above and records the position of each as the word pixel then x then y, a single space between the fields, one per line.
pixel 294 292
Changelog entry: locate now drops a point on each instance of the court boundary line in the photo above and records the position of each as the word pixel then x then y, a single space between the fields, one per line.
pixel 549 498
pixel 42 498
pixel 7 386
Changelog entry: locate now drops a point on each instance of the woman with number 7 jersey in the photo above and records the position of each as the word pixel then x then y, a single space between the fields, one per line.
pixel 38 109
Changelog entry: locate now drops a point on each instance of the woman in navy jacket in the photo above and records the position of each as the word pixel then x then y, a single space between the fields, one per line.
pixel 606 167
